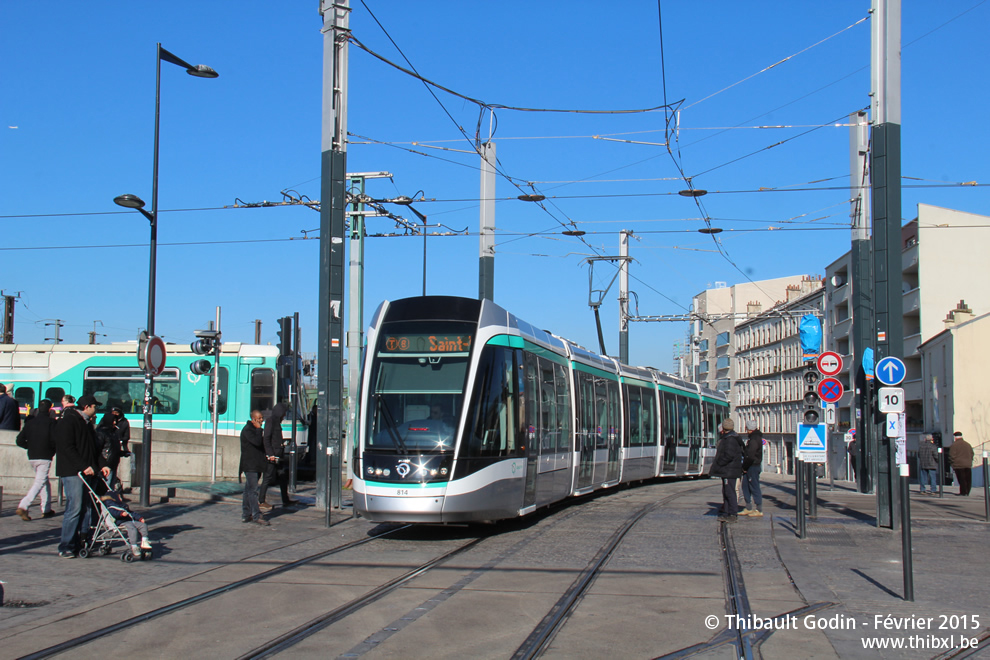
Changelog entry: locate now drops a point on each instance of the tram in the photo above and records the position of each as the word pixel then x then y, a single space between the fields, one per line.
pixel 110 373
pixel 468 413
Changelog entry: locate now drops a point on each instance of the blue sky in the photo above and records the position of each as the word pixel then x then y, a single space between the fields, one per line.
pixel 77 106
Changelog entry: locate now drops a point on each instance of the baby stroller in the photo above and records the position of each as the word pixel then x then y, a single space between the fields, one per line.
pixel 105 531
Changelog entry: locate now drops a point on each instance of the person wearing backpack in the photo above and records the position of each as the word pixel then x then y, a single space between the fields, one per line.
pixel 36 437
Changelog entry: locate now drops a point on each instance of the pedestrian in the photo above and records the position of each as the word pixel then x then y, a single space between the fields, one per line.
pixel 76 452
pixel 10 414
pixel 927 464
pixel 751 468
pixel 853 451
pixel 109 439
pixel 36 437
pixel 961 459
pixel 68 401
pixel 728 466
pixel 254 463
pixel 275 452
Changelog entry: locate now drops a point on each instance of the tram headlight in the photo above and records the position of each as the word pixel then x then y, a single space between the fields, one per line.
pixel 386 472
pixel 378 472
pixel 433 473
pixel 443 472
pixel 371 470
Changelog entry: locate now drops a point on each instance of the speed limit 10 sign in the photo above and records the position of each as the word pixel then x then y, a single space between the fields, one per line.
pixel 891 399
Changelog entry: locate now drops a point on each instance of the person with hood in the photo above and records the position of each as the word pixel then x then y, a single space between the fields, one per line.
pixel 36 437
pixel 76 452
pixel 728 466
pixel 275 452
pixel 751 468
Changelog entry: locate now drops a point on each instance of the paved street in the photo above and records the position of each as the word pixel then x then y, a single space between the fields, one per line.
pixel 663 590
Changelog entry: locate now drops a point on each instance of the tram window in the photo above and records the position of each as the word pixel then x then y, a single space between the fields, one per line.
pixel 55 394
pixel 548 407
pixel 221 389
pixel 262 389
pixel 124 387
pixel 534 422
pixel 25 398
pixel 491 432
pixel 649 417
pixel 562 388
pixel 632 438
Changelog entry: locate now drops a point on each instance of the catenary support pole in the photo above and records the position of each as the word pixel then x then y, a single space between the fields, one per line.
pixel 486 257
pixel 885 168
pixel 799 498
pixel 624 296
pixel 333 160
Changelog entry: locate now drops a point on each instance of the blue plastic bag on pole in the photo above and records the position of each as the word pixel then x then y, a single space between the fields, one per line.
pixel 811 336
pixel 868 363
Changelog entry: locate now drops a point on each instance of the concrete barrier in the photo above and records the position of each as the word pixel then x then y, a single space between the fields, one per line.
pixel 175 455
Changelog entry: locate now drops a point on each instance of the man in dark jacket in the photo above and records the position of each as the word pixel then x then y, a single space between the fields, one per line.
pixel 751 468
pixel 75 451
pixel 36 437
pixel 961 459
pixel 274 451
pixel 10 414
pixel 728 466
pixel 253 464
pixel 927 464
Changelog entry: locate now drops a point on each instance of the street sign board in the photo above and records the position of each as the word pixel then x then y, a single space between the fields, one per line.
pixel 830 414
pixel 890 371
pixel 811 443
pixel 829 363
pixel 830 390
pixel 891 399
pixel 893 427
pixel 151 356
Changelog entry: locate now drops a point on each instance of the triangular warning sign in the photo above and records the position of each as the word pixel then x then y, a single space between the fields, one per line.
pixel 811 441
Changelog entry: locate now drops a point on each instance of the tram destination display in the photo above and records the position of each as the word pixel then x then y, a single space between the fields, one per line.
pixel 427 343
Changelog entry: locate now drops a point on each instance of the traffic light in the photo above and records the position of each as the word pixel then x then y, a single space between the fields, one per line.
pixel 812 400
pixel 208 343
pixel 285 335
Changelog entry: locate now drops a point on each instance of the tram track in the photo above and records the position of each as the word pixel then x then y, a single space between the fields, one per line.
pixel 81 640
pixel 542 636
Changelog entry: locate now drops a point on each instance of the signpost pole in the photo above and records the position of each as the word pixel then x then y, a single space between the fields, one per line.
pixel 799 497
pixel 813 490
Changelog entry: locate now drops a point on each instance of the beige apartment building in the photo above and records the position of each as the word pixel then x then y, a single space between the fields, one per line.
pixel 953 371
pixel 943 260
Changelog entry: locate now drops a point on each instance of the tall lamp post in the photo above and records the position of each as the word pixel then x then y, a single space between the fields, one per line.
pixel 402 200
pixel 135 202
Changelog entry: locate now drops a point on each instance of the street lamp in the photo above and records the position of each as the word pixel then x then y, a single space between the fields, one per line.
pixel 402 200
pixel 136 203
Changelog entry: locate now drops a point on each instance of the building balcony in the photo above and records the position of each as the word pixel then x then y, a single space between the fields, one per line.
pixel 911 344
pixel 841 329
pixel 839 295
pixel 912 302
pixel 913 390
pixel 909 259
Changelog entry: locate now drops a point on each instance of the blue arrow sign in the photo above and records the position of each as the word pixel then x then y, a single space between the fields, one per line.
pixel 890 371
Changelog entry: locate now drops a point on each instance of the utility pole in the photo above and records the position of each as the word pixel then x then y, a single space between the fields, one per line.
pixel 93 334
pixel 486 261
pixel 8 317
pixel 624 296
pixel 862 292
pixel 885 171
pixel 58 324
pixel 333 164
pixel 257 331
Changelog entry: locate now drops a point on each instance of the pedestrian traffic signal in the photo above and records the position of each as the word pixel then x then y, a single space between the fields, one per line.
pixel 812 400
pixel 207 343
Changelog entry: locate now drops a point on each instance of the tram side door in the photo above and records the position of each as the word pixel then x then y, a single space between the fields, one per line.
pixel 531 424
pixel 586 423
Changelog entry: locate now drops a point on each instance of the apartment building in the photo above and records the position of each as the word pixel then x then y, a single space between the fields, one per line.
pixel 943 260
pixel 769 386
pixel 717 313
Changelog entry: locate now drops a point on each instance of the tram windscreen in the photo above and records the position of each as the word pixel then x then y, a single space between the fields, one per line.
pixel 417 386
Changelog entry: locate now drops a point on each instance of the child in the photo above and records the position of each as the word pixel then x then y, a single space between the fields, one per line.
pixel 123 516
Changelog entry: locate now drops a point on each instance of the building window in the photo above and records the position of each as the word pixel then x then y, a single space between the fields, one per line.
pixel 722 340
pixel 722 362
pixel 703 345
pixel 703 367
